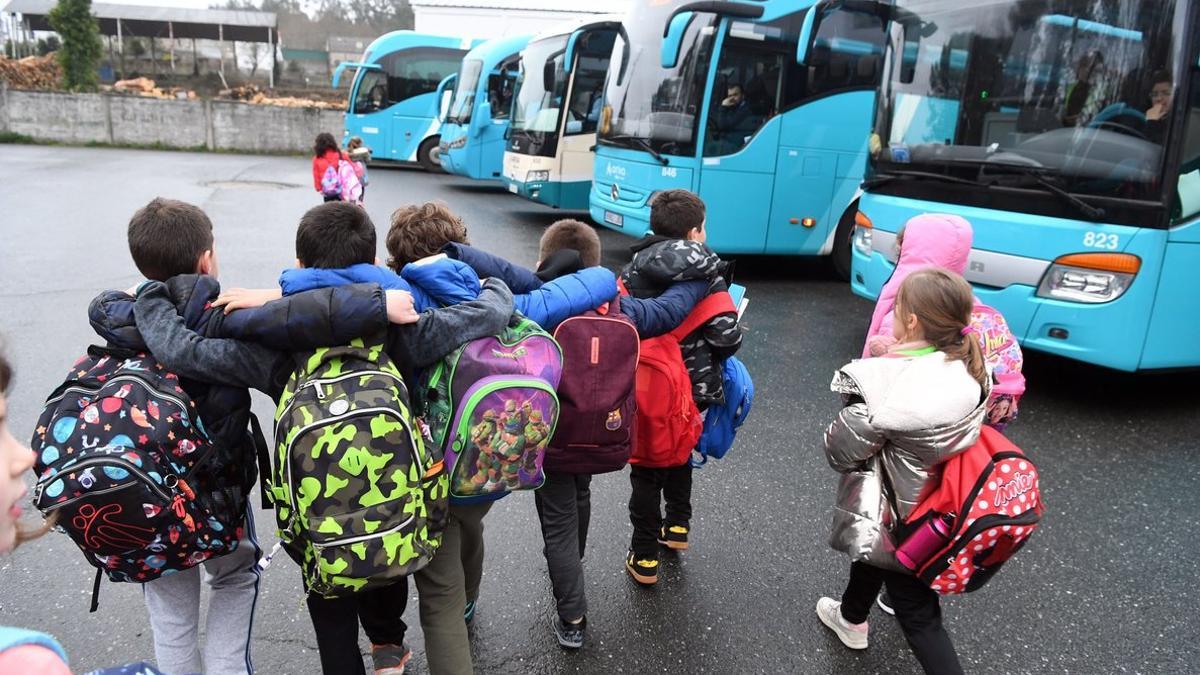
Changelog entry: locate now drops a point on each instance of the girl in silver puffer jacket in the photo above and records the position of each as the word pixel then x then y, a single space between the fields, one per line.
pixel 905 414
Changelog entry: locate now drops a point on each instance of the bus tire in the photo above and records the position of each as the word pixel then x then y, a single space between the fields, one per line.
pixel 840 256
pixel 427 154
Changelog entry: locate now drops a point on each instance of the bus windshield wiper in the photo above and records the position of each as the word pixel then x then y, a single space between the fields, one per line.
pixel 889 175
pixel 637 143
pixel 1035 175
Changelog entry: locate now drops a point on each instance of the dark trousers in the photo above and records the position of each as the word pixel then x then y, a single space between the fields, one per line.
pixel 564 506
pixel 336 621
pixel 650 488
pixel 917 610
pixel 332 198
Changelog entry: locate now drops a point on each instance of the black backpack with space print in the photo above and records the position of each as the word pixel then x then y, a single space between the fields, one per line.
pixel 127 469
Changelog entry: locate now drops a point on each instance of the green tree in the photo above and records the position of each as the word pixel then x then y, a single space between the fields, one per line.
pixel 81 50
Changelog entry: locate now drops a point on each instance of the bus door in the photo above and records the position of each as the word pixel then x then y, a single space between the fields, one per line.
pixel 741 138
pixel 369 116
pixel 592 51
pixel 494 117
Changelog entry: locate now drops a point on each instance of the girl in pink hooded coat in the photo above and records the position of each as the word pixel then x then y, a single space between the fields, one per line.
pixel 943 240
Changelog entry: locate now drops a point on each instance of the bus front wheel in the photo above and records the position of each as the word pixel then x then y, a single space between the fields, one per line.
pixel 428 153
pixel 839 257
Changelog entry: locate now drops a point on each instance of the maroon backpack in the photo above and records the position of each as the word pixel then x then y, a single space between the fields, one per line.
pixel 595 424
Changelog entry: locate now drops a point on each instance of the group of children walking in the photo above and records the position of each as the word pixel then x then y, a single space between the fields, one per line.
pixel 919 401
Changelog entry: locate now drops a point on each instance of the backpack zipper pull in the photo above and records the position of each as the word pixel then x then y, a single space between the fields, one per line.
pixel 317 388
pixel 265 561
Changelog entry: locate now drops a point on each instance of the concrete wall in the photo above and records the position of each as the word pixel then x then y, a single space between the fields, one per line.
pixel 216 125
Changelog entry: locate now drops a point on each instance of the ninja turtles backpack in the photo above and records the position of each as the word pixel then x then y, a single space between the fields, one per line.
pixel 360 499
pixel 492 406
pixel 126 467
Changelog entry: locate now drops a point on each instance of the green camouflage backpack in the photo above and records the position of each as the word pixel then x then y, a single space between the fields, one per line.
pixel 361 499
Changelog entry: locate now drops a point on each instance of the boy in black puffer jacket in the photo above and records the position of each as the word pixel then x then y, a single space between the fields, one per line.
pixel 676 252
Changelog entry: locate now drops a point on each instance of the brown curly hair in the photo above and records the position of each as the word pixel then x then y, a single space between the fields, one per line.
pixel 422 230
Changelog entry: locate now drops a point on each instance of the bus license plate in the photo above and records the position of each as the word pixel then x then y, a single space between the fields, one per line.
pixel 614 219
pixel 512 187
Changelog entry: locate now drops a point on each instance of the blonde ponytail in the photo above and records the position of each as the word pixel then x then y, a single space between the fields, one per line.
pixel 942 301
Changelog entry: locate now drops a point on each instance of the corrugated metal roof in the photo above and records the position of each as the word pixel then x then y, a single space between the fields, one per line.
pixel 572 6
pixel 225 17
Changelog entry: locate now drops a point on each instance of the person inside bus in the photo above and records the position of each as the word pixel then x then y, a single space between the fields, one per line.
pixel 733 120
pixel 1158 116
pixel 1079 94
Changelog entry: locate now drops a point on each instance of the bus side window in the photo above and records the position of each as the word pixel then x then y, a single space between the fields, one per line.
pixel 848 54
pixel 1187 193
pixel 372 93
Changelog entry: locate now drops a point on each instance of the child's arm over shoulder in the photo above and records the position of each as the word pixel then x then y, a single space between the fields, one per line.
pixel 440 331
pixel 723 335
pixel 566 296
pixel 318 318
pixel 851 439
pixel 191 355
pixel 487 265
pixel 661 314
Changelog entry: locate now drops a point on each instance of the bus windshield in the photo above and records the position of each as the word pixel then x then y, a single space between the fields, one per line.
pixel 464 92
pixel 1064 92
pixel 537 109
pixel 660 106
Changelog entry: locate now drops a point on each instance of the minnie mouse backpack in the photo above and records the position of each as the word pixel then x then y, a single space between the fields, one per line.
pixel 1003 355
pixel 991 497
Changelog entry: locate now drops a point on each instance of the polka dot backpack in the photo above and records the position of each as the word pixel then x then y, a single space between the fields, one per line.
pixel 993 496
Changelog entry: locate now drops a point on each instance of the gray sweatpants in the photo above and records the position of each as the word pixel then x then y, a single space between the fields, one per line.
pixel 174 605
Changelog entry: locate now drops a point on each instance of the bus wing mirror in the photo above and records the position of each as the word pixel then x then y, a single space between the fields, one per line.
pixel 817 13
pixel 682 16
pixel 808 31
pixel 445 92
pixel 548 76
pixel 485 117
pixel 674 37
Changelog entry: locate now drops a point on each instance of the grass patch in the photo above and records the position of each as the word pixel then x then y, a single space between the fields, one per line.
pixel 14 137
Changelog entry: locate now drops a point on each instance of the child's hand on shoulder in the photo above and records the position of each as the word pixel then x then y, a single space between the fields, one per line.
pixel 400 309
pixel 246 298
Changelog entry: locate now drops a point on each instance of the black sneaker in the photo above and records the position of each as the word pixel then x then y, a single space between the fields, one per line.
pixel 674 537
pixel 570 635
pixel 643 569
pixel 390 659
pixel 885 603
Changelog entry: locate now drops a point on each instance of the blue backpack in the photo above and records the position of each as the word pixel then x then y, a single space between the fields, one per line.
pixel 722 421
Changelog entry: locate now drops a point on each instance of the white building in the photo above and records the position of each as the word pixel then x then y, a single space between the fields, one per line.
pixel 497 18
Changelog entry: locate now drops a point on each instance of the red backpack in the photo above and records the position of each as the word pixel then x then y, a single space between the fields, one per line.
pixel 596 393
pixel 668 422
pixel 992 492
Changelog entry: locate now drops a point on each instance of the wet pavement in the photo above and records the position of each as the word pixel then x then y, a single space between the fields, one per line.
pixel 1108 585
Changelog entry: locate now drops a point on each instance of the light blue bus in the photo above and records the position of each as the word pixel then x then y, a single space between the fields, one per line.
pixel 393 102
pixel 477 121
pixel 557 108
pixel 710 97
pixel 1068 133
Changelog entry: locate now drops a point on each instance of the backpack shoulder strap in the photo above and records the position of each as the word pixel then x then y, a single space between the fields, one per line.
pixel 711 306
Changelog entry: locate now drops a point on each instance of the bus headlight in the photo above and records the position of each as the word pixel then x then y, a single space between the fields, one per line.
pixel 863 228
pixel 1089 277
pixel 537 176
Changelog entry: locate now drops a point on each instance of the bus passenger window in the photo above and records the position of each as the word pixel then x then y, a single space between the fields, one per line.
pixel 1187 194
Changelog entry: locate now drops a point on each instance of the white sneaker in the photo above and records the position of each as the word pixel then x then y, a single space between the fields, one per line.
pixel 854 636
pixel 885 603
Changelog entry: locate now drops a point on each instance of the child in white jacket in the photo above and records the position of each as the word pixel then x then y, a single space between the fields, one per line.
pixel 906 413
